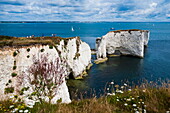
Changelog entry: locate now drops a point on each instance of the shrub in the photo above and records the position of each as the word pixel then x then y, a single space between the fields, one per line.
pixel 14 67
pixel 14 63
pixel 42 50
pixel 15 54
pixel 51 47
pixel 9 90
pixel 9 81
pixel 28 49
pixel 76 56
pixel 13 74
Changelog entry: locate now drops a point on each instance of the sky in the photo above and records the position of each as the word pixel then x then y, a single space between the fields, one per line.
pixel 85 10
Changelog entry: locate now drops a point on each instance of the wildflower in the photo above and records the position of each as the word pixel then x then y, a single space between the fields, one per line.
pixel 144 105
pixel 125 84
pixel 108 93
pixel 130 89
pixel 107 88
pixel 26 111
pixel 134 105
pixel 142 102
pixel 112 83
pixel 136 111
pixel 128 99
pixel 20 111
pixel 117 99
pixel 133 98
pixel 124 98
pixel 113 93
pixel 122 87
pixel 11 106
pixel 144 90
pixel 11 96
pixel 167 112
pixel 125 104
pixel 121 91
pixel 144 110
pixel 16 109
pixel 139 102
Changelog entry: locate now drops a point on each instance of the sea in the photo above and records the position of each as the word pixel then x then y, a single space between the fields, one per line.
pixel 154 66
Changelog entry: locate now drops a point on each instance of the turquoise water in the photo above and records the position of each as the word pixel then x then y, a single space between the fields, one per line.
pixel 155 65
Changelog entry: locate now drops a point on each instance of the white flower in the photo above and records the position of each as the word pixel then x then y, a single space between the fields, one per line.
pixel 30 106
pixel 145 106
pixel 107 88
pixel 134 105
pixel 128 99
pixel 130 89
pixel 136 111
pixel 142 102
pixel 124 98
pixel 122 87
pixel 144 110
pixel 125 84
pixel 125 104
pixel 112 83
pixel 144 90
pixel 16 109
pixel 20 111
pixel 11 106
pixel 133 98
pixel 11 96
pixel 113 93
pixel 26 111
pixel 108 93
pixel 167 112
pixel 121 91
pixel 117 99
pixel 139 102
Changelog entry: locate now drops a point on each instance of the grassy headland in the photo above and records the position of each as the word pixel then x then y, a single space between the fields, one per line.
pixel 23 41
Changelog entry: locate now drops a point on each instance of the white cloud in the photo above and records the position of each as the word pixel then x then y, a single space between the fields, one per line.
pixel 94 10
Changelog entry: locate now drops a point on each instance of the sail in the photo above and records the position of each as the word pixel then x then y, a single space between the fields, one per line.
pixel 72 29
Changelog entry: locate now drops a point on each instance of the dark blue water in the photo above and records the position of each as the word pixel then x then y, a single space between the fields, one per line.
pixel 155 65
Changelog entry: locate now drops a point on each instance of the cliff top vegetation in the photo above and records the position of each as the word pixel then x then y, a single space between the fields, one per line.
pixel 24 41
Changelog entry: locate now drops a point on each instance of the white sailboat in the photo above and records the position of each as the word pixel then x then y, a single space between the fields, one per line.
pixel 72 29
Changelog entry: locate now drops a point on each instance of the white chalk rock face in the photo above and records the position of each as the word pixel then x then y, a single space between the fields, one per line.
pixel 23 61
pixel 77 55
pixel 126 42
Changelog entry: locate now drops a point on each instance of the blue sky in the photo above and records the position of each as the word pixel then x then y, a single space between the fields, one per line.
pixel 85 10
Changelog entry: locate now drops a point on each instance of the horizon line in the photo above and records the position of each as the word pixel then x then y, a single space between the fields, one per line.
pixel 46 21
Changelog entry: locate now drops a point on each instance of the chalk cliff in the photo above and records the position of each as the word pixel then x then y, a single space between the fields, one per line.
pixel 17 56
pixel 124 42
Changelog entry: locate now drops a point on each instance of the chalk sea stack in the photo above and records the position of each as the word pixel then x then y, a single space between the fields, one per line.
pixel 122 42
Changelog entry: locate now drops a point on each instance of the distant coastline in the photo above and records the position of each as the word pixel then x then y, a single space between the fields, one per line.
pixel 78 22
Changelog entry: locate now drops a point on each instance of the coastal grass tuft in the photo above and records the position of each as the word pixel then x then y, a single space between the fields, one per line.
pixel 13 74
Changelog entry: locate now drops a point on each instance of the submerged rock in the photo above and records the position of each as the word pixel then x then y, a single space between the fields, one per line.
pixel 122 42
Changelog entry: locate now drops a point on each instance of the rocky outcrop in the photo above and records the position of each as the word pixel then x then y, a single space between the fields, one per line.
pixel 19 55
pixel 123 42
